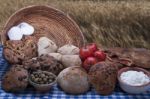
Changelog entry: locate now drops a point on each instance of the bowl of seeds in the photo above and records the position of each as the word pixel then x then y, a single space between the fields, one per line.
pixel 42 80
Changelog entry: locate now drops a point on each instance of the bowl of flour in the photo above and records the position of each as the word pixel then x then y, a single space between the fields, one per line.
pixel 134 80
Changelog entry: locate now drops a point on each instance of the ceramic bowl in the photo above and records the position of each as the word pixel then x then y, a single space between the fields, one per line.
pixel 43 87
pixel 130 88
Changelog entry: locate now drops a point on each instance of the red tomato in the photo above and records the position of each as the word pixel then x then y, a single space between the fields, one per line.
pixel 85 53
pixel 92 47
pixel 90 61
pixel 101 56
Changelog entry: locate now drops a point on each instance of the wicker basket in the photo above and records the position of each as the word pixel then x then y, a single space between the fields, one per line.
pixel 48 22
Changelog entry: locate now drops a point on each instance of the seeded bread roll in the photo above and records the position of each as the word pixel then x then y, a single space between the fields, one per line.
pixel 15 51
pixel 30 47
pixel 49 63
pixel 15 80
pixel 46 61
pixel 32 64
pixel 103 77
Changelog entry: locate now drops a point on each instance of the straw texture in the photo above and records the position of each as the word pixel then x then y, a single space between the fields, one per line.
pixel 48 22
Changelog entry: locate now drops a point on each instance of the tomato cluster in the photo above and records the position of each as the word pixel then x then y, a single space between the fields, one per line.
pixel 90 55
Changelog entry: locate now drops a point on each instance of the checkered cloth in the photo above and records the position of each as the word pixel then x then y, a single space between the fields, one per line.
pixel 56 93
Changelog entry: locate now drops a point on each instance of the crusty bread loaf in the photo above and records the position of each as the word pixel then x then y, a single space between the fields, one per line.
pixel 103 77
pixel 15 51
pixel 16 79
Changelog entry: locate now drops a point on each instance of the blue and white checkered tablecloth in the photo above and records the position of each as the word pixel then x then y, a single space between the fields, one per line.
pixel 56 93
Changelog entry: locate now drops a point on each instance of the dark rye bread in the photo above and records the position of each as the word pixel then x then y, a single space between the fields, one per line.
pixel 49 63
pixel 103 77
pixel 45 63
pixel 16 79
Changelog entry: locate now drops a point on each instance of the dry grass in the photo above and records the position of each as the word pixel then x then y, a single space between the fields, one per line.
pixel 107 22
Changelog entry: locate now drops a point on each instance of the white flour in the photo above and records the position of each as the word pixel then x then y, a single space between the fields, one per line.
pixel 134 78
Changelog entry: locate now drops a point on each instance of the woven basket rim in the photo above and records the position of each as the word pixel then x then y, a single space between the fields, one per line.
pixel 38 6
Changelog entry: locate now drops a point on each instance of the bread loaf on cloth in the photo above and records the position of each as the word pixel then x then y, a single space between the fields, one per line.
pixel 103 77
pixel 16 79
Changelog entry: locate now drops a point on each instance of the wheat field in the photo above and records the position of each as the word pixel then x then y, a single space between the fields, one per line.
pixel 109 23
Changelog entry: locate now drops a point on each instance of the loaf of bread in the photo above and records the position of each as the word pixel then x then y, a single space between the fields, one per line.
pixel 16 79
pixel 15 51
pixel 103 77
pixel 73 80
